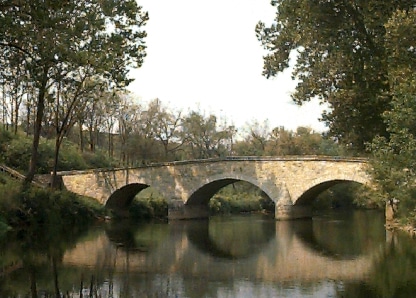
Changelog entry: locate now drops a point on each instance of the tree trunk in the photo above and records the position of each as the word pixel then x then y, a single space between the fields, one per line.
pixel 92 147
pixel 55 277
pixel 32 277
pixel 38 126
pixel 16 115
pixel 81 138
pixel 55 181
pixel 28 120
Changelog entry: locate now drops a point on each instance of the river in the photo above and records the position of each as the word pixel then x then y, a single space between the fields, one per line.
pixel 338 254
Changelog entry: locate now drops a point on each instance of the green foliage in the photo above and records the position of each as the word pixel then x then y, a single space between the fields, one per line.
pixel 394 158
pixel 233 205
pixel 5 139
pixel 96 159
pixel 17 154
pixel 70 158
pixel 342 59
pixel 148 208
pixel 18 149
pixel 36 206
pixel 64 49
pixel 344 195
pixel 205 137
pixel 240 197
pixel 9 188
pixel 4 227
pixel 261 141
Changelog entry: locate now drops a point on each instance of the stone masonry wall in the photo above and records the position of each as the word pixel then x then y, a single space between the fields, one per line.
pixel 282 179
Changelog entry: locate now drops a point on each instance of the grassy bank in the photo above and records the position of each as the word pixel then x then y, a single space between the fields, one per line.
pixel 20 209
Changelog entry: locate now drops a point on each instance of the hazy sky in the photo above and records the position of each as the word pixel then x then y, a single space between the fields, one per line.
pixel 204 55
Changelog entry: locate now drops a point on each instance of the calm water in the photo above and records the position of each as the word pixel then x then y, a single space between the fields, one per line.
pixel 335 255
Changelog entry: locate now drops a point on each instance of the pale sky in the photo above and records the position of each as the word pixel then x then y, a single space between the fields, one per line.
pixel 204 56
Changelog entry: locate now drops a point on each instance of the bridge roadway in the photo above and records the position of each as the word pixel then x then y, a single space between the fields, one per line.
pixel 291 182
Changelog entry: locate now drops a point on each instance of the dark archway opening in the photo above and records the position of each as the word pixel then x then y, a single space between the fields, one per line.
pixel 336 195
pixel 232 196
pixel 148 204
pixel 137 201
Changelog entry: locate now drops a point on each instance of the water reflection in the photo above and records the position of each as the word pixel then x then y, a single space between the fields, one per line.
pixel 344 255
pixel 343 235
pixel 135 237
pixel 231 238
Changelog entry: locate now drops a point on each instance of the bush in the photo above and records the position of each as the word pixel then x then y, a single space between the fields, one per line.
pixel 18 153
pixel 5 139
pixel 96 160
pixel 38 206
pixel 9 188
pixel 70 158
pixel 235 204
pixel 4 227
pixel 147 208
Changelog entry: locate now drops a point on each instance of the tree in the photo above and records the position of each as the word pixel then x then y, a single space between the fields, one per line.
pixel 280 142
pixel 59 39
pixel 205 138
pixel 128 121
pixel 166 126
pixel 342 60
pixel 257 137
pixel 394 159
pixel 70 100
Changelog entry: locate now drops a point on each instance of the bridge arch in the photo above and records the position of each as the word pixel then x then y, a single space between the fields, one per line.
pixel 121 198
pixel 310 195
pixel 203 192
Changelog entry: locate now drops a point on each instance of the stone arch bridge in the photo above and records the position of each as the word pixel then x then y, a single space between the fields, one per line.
pixel 291 182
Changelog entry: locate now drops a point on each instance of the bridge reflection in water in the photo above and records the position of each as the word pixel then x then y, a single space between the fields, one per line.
pixel 235 249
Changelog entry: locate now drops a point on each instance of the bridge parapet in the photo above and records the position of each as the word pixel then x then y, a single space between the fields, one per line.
pixel 222 159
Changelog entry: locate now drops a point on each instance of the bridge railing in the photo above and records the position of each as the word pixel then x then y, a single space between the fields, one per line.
pixel 224 159
pixel 17 175
pixel 11 172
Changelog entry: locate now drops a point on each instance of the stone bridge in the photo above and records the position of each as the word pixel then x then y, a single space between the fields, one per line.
pixel 290 182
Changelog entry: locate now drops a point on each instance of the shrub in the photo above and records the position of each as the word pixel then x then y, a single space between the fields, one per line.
pixel 5 139
pixel 37 206
pixel 147 208
pixel 70 158
pixel 4 227
pixel 18 153
pixel 235 204
pixel 96 159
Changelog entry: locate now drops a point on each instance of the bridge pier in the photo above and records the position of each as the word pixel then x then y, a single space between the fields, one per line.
pixel 177 210
pixel 288 212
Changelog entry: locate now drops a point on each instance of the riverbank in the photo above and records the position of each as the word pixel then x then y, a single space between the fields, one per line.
pixel 21 208
pixel 395 225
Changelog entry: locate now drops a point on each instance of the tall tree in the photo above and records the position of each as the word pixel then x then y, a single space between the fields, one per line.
pixel 166 126
pixel 341 60
pixel 257 136
pixel 394 159
pixel 205 137
pixel 61 38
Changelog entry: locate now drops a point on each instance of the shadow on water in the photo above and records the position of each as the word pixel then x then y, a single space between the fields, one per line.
pixel 133 236
pixel 342 235
pixel 231 237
